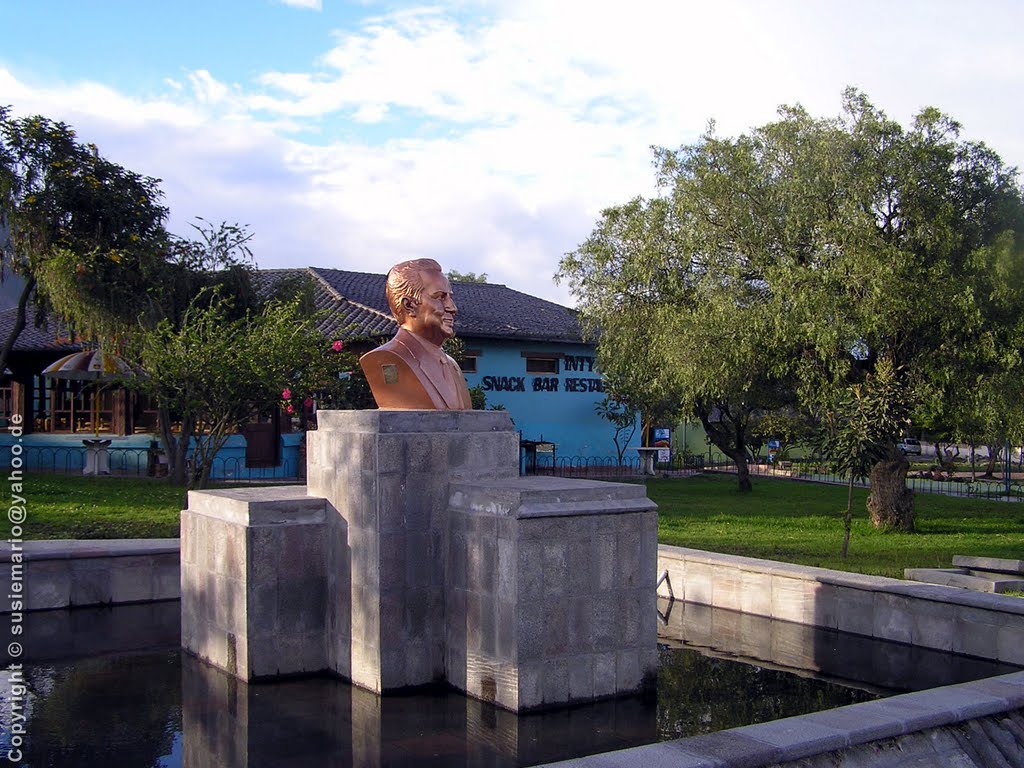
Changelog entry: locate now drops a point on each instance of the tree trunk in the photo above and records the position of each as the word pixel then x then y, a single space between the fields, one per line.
pixel 20 320
pixel 743 473
pixel 729 436
pixel 891 503
pixel 990 465
pixel 848 517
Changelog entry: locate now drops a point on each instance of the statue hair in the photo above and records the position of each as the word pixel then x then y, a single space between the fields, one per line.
pixel 404 281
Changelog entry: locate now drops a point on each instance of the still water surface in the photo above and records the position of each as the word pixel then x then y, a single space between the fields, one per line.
pixel 158 707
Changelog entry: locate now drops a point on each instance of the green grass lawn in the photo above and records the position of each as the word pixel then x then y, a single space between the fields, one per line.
pixel 780 520
pixel 77 507
pixel 802 523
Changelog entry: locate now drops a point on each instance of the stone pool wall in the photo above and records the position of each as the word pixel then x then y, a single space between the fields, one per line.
pixel 984 625
pixel 71 573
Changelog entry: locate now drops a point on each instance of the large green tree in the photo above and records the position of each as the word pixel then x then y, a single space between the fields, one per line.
pixel 799 256
pixel 68 216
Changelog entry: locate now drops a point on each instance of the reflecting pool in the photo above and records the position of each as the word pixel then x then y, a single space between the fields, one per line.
pixel 109 687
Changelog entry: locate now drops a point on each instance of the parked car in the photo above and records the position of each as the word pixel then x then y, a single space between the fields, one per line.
pixel 909 446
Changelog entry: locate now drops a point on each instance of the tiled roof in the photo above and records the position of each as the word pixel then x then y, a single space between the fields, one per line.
pixel 356 307
pixel 46 337
pixel 486 310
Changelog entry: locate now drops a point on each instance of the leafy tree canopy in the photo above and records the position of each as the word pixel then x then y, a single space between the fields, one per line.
pixel 69 216
pixel 796 257
pixel 455 276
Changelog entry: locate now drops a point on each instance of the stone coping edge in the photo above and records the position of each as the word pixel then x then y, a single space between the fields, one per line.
pixel 935 592
pixel 803 736
pixel 69 549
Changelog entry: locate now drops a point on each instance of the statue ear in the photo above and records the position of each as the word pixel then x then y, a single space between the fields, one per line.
pixel 409 305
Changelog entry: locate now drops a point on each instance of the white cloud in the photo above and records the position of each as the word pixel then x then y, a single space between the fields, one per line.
pixel 313 5
pixel 492 143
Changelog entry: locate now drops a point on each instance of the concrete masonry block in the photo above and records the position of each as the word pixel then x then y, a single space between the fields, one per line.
pixel 892 618
pixel 555 628
pixel 604 627
pixel 976 632
pixel 131 579
pixel 530 577
pixel 390 510
pixel 727 587
pixel 166 579
pixel 628 571
pixel 792 599
pixel 580 622
pixel 698 582
pixel 505 568
pixel 932 624
pixel 391 566
pixel 556 567
pixel 581 677
pixel 455 666
pixel 90 582
pixel 605 673
pixel 855 610
pixel 481 564
pixel 530 636
pixel 628 624
pixel 581 566
pixel 628 673
pixel 49 585
pixel 418 559
pixel 505 628
pixel 605 562
pixel 530 684
pixel 392 669
pixel 755 592
pixel 1010 643
pixel 391 455
pixel 556 680
pixel 302 605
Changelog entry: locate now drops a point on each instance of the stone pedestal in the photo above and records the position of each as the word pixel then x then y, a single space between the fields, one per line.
pixel 385 475
pixel 550 596
pixel 419 555
pixel 252 580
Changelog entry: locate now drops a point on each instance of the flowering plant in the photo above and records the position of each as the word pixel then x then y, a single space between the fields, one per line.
pixel 337 382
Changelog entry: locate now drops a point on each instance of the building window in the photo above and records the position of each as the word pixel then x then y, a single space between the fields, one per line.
pixel 6 399
pixel 542 363
pixel 468 364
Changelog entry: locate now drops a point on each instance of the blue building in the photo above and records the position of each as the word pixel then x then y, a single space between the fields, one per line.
pixel 527 355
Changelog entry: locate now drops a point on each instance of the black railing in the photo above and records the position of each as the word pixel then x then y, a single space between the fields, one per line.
pixel 137 462
pixel 948 484
pixel 610 467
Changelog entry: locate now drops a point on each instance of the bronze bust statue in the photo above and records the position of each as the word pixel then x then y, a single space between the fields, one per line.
pixel 412 371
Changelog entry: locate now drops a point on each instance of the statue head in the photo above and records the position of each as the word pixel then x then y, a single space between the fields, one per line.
pixel 420 298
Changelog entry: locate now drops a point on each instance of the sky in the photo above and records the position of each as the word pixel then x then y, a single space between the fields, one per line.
pixel 488 135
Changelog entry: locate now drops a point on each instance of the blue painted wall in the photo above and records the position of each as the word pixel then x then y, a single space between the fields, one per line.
pixel 130 455
pixel 556 407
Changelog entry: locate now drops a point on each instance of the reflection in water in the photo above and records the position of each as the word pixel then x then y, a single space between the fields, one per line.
pixel 849 660
pixel 163 709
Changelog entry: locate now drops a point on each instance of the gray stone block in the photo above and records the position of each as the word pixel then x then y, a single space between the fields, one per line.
pixel 556 681
pixel 605 680
pixel 581 677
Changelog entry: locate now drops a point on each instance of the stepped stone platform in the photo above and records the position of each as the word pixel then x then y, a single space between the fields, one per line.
pixel 981 574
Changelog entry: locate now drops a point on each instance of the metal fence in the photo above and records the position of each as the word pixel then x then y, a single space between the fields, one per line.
pixel 230 466
pixel 960 485
pixel 611 468
pixel 143 462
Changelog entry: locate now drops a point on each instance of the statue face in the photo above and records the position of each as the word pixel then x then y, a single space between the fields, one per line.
pixel 433 318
